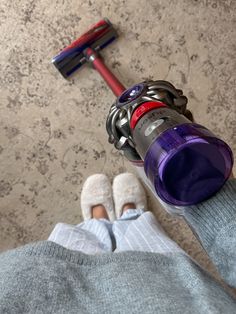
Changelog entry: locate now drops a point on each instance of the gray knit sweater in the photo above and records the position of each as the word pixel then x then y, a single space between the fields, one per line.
pixel 47 278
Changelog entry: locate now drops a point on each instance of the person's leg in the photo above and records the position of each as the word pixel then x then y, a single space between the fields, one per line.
pixel 94 235
pixel 142 234
pixel 136 229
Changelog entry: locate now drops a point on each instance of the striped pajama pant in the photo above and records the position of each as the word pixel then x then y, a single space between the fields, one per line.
pixel 135 230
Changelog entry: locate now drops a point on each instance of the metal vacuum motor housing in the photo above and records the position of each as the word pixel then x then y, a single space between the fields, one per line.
pixel 184 162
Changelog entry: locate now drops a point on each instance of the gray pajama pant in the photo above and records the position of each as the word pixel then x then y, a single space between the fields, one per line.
pixel 136 230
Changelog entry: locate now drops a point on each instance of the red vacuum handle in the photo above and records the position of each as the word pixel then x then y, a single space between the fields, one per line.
pixel 111 80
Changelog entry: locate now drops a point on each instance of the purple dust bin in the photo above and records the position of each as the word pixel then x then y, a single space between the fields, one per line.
pixel 187 164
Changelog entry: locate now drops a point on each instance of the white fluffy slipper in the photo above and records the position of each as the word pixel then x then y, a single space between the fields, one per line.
pixel 128 189
pixel 97 190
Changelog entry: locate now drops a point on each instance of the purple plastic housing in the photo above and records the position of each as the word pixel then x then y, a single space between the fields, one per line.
pixel 187 164
pixel 130 95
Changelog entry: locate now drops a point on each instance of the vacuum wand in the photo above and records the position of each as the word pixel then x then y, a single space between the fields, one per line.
pixel 111 80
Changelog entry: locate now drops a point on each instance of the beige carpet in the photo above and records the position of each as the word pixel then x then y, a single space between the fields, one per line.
pixel 52 132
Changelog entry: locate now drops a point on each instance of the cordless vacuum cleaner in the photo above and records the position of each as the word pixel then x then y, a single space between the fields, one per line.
pixel 183 162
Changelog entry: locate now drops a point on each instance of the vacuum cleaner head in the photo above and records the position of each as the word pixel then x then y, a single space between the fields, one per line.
pixel 72 57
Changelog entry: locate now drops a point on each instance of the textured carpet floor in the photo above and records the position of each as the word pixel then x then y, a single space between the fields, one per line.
pixel 52 133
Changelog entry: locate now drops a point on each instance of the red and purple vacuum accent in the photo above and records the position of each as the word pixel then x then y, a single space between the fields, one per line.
pixel 85 49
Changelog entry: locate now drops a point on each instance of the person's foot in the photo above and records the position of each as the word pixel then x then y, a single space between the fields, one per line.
pixel 128 206
pixel 99 211
pixel 96 198
pixel 128 193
